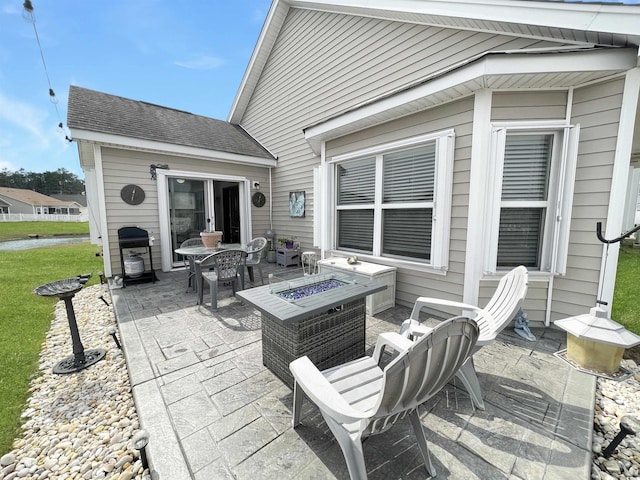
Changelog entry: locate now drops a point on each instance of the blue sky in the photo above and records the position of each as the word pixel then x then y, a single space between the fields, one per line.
pixel 185 55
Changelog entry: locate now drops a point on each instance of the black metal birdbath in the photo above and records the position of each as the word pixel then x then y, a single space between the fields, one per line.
pixel 81 358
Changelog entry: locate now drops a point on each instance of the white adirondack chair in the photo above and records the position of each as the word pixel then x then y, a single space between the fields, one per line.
pixel 491 320
pixel 358 398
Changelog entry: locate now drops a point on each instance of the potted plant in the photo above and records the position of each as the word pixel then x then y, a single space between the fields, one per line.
pixel 287 242
pixel 211 239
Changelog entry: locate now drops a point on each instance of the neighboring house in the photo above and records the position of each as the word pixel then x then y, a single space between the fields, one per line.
pixel 78 198
pixel 4 206
pixel 451 139
pixel 18 200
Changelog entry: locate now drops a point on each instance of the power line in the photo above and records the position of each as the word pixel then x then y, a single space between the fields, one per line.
pixel 29 17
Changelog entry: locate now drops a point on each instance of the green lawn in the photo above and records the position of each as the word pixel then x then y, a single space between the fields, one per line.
pixel 20 230
pixel 626 297
pixel 25 318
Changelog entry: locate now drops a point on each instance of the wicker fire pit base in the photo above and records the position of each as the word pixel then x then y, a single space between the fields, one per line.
pixel 328 339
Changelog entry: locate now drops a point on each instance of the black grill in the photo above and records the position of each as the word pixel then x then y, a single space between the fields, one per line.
pixel 135 237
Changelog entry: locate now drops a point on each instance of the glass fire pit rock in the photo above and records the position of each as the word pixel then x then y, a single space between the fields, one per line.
pixel 304 291
pixel 65 290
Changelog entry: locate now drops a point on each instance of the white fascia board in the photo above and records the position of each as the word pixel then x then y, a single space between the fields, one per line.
pixel 490 65
pixel 618 19
pixel 118 141
pixel 102 209
pixel 585 61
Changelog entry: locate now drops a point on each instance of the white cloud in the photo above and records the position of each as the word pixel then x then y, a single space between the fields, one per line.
pixel 10 9
pixel 202 63
pixel 22 116
pixel 8 165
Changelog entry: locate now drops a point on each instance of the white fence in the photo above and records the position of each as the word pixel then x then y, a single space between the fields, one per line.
pixel 31 217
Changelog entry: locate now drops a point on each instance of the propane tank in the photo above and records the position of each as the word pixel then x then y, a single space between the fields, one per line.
pixel 134 265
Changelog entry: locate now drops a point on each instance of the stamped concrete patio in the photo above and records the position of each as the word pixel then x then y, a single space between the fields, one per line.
pixel 214 411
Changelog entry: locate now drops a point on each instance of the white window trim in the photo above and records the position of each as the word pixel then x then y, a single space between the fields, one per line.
pixel 562 181
pixel 441 227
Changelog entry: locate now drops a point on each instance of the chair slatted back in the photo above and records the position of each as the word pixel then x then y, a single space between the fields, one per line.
pixel 421 371
pixel 255 247
pixel 192 242
pixel 225 262
pixel 503 304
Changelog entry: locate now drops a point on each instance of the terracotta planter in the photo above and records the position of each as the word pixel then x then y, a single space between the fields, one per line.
pixel 211 239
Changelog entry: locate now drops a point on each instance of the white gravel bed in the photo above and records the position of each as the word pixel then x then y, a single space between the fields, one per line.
pixel 78 426
pixel 614 400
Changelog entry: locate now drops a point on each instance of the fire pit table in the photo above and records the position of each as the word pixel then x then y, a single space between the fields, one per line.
pixel 81 358
pixel 321 316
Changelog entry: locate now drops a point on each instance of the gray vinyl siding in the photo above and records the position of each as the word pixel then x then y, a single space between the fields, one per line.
pixel 323 64
pixel 597 109
pixel 519 105
pixel 17 206
pixel 122 167
pixel 410 282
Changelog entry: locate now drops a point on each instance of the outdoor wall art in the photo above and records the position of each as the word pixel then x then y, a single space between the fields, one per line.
pixel 296 204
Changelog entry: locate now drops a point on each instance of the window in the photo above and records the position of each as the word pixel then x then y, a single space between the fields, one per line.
pixel 531 201
pixel 394 200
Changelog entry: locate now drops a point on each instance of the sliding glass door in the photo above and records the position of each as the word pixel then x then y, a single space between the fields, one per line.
pixel 188 210
pixel 197 205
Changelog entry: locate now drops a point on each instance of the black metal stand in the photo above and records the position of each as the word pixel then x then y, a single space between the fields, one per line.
pixel 130 238
pixel 81 358
pixel 628 425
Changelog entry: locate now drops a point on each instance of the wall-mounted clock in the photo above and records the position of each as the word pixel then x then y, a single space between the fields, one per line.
pixel 132 194
pixel 258 199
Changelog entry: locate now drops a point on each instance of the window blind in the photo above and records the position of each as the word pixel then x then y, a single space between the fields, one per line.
pixel 527 161
pixel 356 181
pixel 407 232
pixel 526 167
pixel 520 237
pixel 355 229
pixel 394 199
pixel 409 176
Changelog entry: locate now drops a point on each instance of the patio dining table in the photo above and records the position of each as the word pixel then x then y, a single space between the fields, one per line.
pixel 200 251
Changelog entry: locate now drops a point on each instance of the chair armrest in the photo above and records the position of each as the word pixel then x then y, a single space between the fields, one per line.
pixel 322 393
pixel 390 339
pixel 422 302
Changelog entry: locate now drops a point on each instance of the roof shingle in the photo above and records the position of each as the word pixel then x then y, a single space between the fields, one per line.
pixel 31 197
pixel 103 113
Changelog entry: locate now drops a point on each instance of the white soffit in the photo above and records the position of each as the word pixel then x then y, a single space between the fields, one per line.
pixel 561 20
pixel 118 141
pixel 495 71
pixel 85 152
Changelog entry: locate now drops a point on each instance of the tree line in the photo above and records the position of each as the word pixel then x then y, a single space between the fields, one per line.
pixel 61 181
